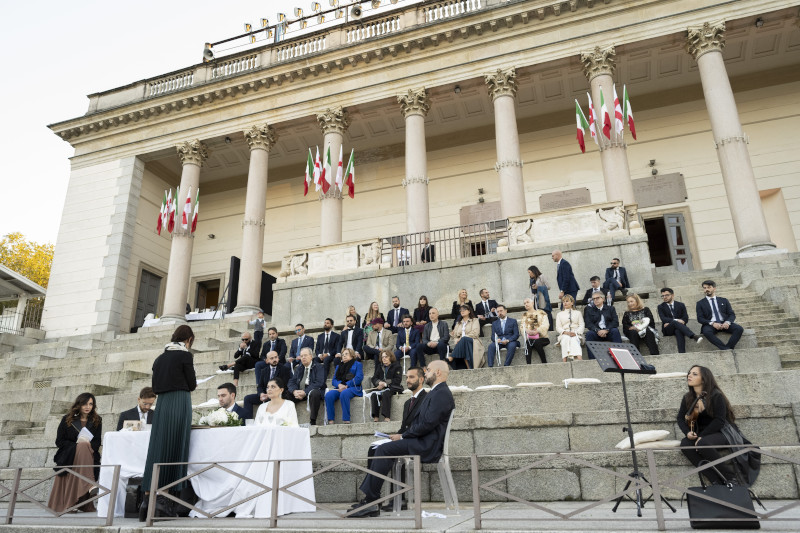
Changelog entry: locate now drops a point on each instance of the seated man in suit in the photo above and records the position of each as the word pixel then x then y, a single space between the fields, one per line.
pixel 425 437
pixel 565 279
pixel 407 339
pixel 272 369
pixel 595 288
pixel 226 394
pixel 327 346
pixel 245 357
pixel 351 336
pixel 505 334
pixel 601 321
pixel 302 341
pixel 486 310
pixel 616 280
pixel 379 339
pixel 674 317
pixel 273 344
pixel 435 338
pixel 143 411
pixel 715 314
pixel 394 318
pixel 308 383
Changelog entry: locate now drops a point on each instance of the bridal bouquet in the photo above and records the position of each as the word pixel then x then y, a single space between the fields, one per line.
pixel 220 418
pixel 641 326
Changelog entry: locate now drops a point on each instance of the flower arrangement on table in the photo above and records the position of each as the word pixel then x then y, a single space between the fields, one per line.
pixel 220 418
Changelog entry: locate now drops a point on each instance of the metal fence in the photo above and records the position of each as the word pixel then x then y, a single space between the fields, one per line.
pixel 443 244
pixel 13 321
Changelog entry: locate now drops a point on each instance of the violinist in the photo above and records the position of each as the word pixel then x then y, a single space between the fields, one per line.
pixel 703 413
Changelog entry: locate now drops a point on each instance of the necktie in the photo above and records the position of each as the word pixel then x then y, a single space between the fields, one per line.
pixel 327 336
pixel 305 375
pixel 671 311
pixel 144 417
pixel 616 273
pixel 411 405
pixel 271 372
pixel 394 320
pixel 408 332
pixel 272 346
pixel 378 341
pixel 717 316
pixel 503 326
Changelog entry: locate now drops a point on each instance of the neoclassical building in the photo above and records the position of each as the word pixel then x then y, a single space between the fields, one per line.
pixel 459 112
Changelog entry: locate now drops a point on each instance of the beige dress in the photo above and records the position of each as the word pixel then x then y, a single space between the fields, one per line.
pixel 472 330
pixel 570 346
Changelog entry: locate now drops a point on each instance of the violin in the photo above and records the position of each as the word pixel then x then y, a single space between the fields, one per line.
pixel 694 412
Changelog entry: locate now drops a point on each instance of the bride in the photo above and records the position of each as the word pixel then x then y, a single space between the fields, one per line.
pixel 277 411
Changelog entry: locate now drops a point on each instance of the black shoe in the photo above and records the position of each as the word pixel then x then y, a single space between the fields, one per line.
pixel 223 367
pixel 389 507
pixel 143 509
pixel 359 503
pixel 371 511
pixel 165 508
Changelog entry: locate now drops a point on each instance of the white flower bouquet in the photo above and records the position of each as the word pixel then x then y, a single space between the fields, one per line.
pixel 220 418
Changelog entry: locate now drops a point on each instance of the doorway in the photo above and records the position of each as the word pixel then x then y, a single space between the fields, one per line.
pixel 207 295
pixel 668 243
pixel 147 298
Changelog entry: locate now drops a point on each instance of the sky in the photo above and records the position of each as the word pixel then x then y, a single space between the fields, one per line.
pixel 57 52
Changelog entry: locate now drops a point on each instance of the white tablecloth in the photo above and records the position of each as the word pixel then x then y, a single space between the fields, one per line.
pixel 216 488
pixel 191 317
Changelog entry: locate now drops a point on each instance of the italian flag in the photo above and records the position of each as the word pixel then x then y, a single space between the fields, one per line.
pixel 350 177
pixel 580 119
pixel 604 114
pixel 339 170
pixel 170 212
pixel 592 128
pixel 628 112
pixel 317 171
pixel 187 209
pixel 619 125
pixel 196 209
pixel 326 171
pixel 161 213
pixel 309 172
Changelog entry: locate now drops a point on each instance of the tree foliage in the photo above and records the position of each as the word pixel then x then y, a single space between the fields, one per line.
pixel 31 259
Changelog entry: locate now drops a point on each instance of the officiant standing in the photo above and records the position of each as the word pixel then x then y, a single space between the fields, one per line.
pixel 173 380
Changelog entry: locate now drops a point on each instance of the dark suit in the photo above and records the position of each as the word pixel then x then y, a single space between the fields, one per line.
pixel 246 358
pixel 587 297
pixel 418 357
pixel 400 312
pixel 294 351
pixel 706 318
pixel 485 309
pixel 612 284
pixel 592 316
pixel 566 279
pixel 132 414
pixel 425 437
pixel 413 341
pixel 241 411
pixel 253 400
pixel 669 327
pixel 280 347
pixel 358 339
pixel 331 347
pixel 314 390
pixel 508 333
pixel 429 253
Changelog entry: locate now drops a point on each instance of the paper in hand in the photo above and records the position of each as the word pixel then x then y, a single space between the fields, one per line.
pixel 86 435
pixel 379 442
pixel 382 435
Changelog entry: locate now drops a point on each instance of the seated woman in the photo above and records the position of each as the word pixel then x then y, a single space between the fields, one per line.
pixel 346 383
pixel 638 324
pixel 468 351
pixel 703 416
pixel 422 314
pixel 373 313
pixel 387 379
pixel 462 299
pixel 276 411
pixel 73 449
pixel 570 328
pixel 351 311
pixel 535 325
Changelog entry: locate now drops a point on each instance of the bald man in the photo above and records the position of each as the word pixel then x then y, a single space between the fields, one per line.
pixel 425 437
pixel 565 279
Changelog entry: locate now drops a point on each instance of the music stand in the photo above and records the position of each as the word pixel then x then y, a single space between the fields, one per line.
pixel 600 350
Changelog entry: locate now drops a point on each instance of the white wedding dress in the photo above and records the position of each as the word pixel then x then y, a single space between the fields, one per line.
pixel 286 415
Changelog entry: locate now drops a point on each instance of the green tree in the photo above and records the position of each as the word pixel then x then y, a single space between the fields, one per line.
pixel 31 259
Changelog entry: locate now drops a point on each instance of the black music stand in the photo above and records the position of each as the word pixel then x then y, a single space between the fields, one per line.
pixel 601 353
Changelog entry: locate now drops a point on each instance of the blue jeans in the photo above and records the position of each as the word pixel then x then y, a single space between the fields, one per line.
pixel 344 397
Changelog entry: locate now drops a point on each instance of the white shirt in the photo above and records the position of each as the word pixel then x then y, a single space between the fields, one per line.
pixel 350 338
pixel 715 312
pixel 602 324
pixel 434 331
pixel 142 414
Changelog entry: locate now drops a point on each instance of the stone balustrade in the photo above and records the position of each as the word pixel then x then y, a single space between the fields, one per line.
pixel 334 259
pixel 303 47
pixel 172 83
pixel 233 66
pixel 373 29
pixel 451 8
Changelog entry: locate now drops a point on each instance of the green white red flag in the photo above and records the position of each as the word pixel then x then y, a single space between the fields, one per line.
pixel 619 125
pixel 326 172
pixel 196 210
pixel 580 119
pixel 309 172
pixel 592 128
pixel 628 112
pixel 161 213
pixel 604 116
pixel 339 170
pixel 187 209
pixel 350 177
pixel 170 211
pixel 317 172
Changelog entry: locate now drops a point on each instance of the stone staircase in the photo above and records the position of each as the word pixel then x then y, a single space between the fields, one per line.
pixel 760 377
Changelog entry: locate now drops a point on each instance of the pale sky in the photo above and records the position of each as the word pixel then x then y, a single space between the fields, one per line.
pixel 57 52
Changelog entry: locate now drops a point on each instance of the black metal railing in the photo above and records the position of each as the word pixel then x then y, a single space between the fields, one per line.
pixel 12 321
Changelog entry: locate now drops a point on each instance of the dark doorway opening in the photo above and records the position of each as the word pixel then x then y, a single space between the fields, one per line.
pixel 657 242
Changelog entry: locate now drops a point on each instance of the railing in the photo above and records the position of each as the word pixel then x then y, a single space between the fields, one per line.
pixel 275 489
pixel 451 8
pixel 16 491
pixel 12 321
pixel 170 84
pixel 456 242
pixel 305 47
pixel 377 28
pixel 234 66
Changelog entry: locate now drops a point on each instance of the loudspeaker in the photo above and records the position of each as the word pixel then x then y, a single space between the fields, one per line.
pixel 355 12
pixel 233 284
pixel 208 54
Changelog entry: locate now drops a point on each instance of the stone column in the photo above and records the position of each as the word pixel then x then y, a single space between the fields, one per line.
pixel 415 105
pixel 705 44
pixel 598 67
pixel 503 89
pixel 192 155
pixel 333 123
pixel 261 138
pixel 22 303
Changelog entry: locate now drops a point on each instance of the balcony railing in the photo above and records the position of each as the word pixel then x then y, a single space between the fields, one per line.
pixel 13 321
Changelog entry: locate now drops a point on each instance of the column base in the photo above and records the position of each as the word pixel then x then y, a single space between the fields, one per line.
pixel 242 310
pixel 172 319
pixel 758 249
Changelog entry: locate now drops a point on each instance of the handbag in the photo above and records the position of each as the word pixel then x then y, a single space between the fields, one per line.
pixel 712 512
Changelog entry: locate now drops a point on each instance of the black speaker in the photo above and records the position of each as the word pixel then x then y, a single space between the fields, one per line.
pixel 233 284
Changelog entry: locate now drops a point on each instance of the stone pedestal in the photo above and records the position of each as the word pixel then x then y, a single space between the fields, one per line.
pixel 333 123
pixel 414 106
pixel 705 43
pixel 192 155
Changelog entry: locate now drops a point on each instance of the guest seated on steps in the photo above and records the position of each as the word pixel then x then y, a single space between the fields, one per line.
pixel 387 381
pixel 378 340
pixel 298 343
pixel 245 357
pixel 601 322
pixel 534 328
pixel 715 314
pixel 435 339
pixel 505 334
pixel 616 280
pixel 351 311
pixel 638 324
pixel 486 310
pixel 674 317
pixel 327 347
pixel 407 339
pixel 468 350
pixel 346 384
pixel 308 383
pixel 351 337
pixel 421 314
pixel 461 299
pixel 570 328
pixel 272 369
pixel 369 319
pixel 595 288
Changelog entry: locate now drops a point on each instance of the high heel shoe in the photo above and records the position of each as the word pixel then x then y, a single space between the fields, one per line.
pixel 143 509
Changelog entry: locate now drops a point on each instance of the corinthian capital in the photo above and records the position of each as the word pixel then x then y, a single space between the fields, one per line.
pixel 710 37
pixel 502 83
pixel 261 137
pixel 333 120
pixel 598 62
pixel 414 102
pixel 192 152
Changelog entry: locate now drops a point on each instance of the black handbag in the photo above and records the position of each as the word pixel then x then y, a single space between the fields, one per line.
pixel 713 512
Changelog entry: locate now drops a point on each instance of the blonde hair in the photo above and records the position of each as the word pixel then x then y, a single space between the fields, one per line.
pixel 636 298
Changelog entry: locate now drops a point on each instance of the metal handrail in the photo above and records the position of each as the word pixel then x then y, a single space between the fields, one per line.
pixel 155 490
pixel 102 491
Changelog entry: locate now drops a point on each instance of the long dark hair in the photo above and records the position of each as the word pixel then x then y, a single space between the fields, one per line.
pixel 75 411
pixel 427 304
pixel 711 388
pixel 536 272
pixel 471 312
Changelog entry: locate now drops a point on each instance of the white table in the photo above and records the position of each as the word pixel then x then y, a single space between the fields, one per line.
pixel 218 489
pixel 191 317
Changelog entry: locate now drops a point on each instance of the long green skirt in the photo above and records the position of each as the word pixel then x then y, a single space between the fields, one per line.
pixel 169 439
